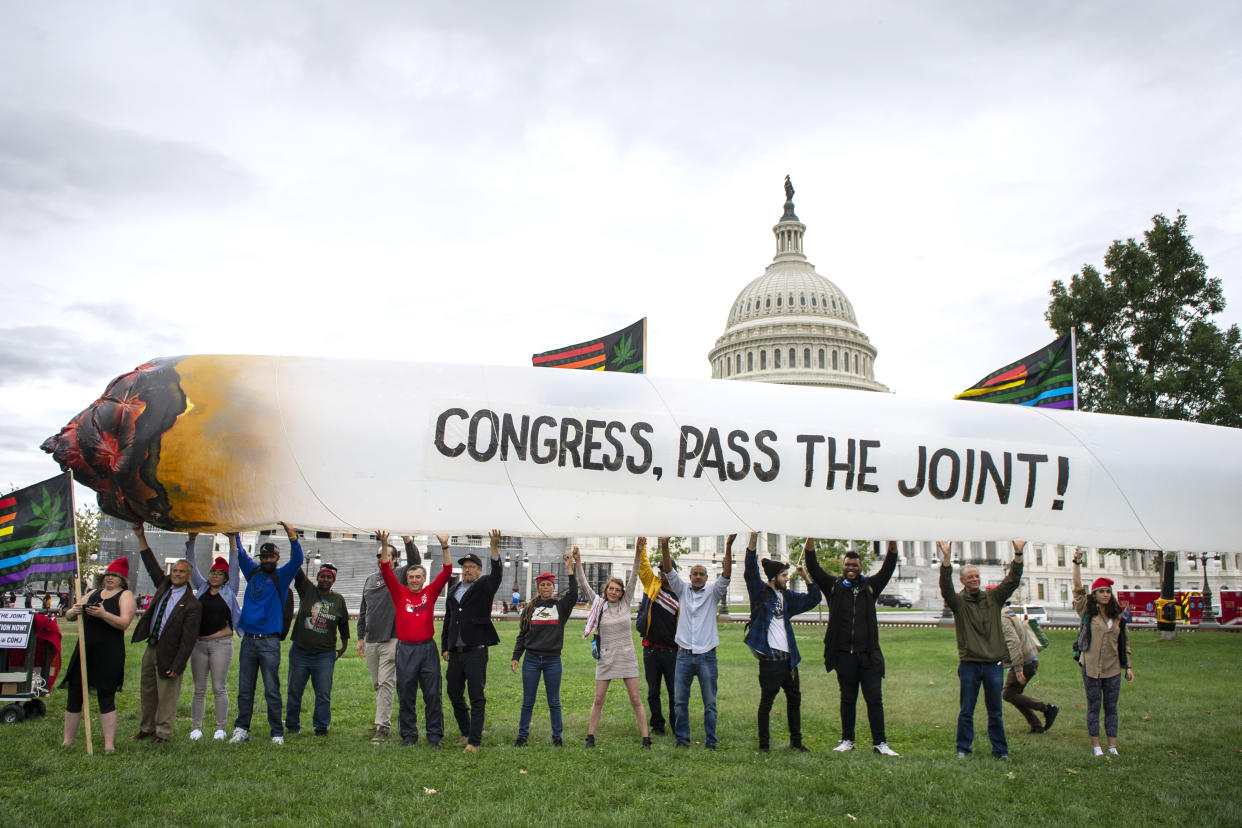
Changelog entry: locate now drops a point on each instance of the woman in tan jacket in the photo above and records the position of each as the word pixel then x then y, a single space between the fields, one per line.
pixel 1103 651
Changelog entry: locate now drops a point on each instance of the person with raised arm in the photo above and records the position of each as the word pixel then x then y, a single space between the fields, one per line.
pixel 377 633
pixel 980 645
pixel 697 639
pixel 540 639
pixel 417 658
pixel 610 617
pixel 852 640
pixel 261 622
pixel 212 655
pixel 771 638
pixel 170 628
pixel 657 626
pixel 1103 651
pixel 468 632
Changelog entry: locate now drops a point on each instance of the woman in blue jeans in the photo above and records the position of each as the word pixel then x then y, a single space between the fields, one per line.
pixel 541 635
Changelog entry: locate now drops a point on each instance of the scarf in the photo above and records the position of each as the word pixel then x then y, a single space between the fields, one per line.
pixel 592 622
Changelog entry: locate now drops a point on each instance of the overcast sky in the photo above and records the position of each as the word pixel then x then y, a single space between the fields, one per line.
pixel 473 182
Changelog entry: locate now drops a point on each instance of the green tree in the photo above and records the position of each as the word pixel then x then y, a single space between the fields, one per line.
pixel 1147 345
pixel 676 546
pixel 88 520
pixel 830 552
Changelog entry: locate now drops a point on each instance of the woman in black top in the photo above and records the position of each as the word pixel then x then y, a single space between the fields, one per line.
pixel 541 636
pixel 106 614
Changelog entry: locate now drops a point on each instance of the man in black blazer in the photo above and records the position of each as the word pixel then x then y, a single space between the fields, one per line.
pixel 170 628
pixel 464 639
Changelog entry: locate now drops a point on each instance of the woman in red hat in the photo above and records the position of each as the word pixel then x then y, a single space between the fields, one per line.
pixel 541 636
pixel 1103 651
pixel 108 611
pixel 217 594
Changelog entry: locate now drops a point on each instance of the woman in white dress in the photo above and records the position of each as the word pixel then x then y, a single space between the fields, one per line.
pixel 610 617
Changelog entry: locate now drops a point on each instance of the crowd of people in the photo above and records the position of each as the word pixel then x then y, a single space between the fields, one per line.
pixel 193 619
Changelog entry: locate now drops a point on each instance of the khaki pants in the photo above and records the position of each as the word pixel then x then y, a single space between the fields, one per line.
pixel 382 662
pixel 159 697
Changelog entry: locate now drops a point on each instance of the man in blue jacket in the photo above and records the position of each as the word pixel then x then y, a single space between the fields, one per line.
pixel 262 618
pixel 771 639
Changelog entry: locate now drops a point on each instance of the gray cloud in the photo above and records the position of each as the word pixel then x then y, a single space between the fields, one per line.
pixel 51 353
pixel 59 167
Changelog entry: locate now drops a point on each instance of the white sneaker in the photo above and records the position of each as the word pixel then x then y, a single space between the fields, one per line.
pixel 278 740
pixel 218 735
pixel 845 745
pixel 1113 751
pixel 240 734
pixel 1097 750
pixel 884 750
pixel 195 735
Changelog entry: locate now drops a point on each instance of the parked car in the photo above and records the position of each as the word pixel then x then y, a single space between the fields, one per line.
pixel 1028 612
pixel 886 600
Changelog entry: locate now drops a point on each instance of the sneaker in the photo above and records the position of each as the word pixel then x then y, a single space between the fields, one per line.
pixel 658 731
pixel 240 734
pixel 1097 751
pixel 710 745
pixel 647 743
pixel 590 740
pixel 381 734
pixel 519 742
pixel 278 740
pixel 558 742
pixel 1113 751
pixel 682 745
pixel 1050 716
pixel 884 750
pixel 406 742
pixel 219 735
pixel 434 745
pixel 1003 757
pixel 321 733
pixel 800 748
pixel 846 744
pixel 961 754
pixel 195 735
pixel 1037 729
pixel 470 749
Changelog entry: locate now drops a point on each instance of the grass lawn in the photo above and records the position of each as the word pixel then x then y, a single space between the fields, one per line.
pixel 1180 763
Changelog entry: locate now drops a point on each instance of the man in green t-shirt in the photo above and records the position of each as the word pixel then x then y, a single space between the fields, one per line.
pixel 313 654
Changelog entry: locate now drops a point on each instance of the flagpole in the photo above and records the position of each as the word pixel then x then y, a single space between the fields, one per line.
pixel 77 592
pixel 646 361
pixel 1074 363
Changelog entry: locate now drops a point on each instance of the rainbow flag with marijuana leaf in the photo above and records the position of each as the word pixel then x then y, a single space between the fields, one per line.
pixel 1044 379
pixel 622 350
pixel 37 541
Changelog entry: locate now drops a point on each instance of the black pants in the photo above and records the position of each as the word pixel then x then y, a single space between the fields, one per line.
pixel 855 670
pixel 418 668
pixel 660 663
pixel 468 670
pixel 1026 704
pixel 775 676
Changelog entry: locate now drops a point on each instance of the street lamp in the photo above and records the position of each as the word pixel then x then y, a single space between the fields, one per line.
pixel 1209 616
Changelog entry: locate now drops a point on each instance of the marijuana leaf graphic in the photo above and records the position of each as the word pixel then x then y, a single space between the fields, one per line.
pixel 624 351
pixel 46 513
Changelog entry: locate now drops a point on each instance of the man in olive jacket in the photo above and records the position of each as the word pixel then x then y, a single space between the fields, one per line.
pixel 980 645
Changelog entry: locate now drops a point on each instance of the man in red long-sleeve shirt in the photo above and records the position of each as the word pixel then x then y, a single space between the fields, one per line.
pixel 418 659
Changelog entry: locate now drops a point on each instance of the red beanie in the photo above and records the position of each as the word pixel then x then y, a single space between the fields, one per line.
pixel 119 567
pixel 220 564
pixel 1101 583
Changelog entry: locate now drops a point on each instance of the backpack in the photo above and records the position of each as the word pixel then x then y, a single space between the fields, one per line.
pixel 643 621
